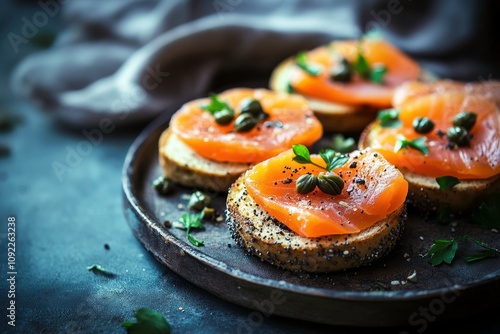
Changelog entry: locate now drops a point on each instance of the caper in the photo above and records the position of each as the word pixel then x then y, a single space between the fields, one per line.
pixel 245 122
pixel 341 72
pixel 224 116
pixel 423 125
pixel 459 136
pixel 330 183
pixel 198 200
pixel 465 119
pixel 163 185
pixel 251 106
pixel 306 183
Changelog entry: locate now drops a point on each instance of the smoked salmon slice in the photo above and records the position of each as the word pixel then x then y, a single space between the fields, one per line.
pixel 372 189
pixel 290 121
pixel 358 91
pixel 479 160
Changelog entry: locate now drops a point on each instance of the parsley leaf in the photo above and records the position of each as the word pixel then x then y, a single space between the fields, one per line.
pixel 192 220
pixel 332 158
pixel 329 156
pixel 302 155
pixel 445 250
pixel 148 322
pixel 99 270
pixel 216 105
pixel 447 182
pixel 486 215
pixel 389 118
pixel 417 144
pixel 442 251
pixel 343 145
pixel 377 74
pixel 311 69
pixel 361 65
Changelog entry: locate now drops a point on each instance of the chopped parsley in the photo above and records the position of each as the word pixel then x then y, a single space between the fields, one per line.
pixel 417 144
pixel 332 158
pixel 312 69
pixel 189 221
pixel 445 251
pixel 447 182
pixel 375 73
pixel 216 105
pixel 389 118
pixel 147 322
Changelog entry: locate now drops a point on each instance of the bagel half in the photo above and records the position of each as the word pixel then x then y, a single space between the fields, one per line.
pixel 184 166
pixel 424 192
pixel 263 236
pixel 334 117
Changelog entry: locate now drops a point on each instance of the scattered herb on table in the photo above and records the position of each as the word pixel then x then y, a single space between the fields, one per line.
pixel 447 182
pixel 417 144
pixel 445 251
pixel 486 215
pixel 443 214
pixel 147 322
pixel 192 221
pixel 99 270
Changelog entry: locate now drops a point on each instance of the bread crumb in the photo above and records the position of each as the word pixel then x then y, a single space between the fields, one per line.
pixel 413 277
pixel 421 238
pixel 395 282
pixel 494 230
pixel 346 252
pixel 180 206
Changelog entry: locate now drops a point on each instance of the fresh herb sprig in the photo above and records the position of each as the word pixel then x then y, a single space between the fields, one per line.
pixel 148 322
pixel 445 250
pixel 389 118
pixel 221 111
pixel 312 69
pixel 375 73
pixel 417 144
pixel 192 221
pixel 447 182
pixel 332 158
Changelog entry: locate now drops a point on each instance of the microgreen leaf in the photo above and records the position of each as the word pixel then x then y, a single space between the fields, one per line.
pixel 301 154
pixel 417 144
pixel 361 65
pixel 192 220
pixel 148 322
pixel 216 105
pixel 311 69
pixel 389 118
pixel 486 215
pixel 99 270
pixel 377 74
pixel 445 250
pixel 447 182
pixel 343 145
pixel 332 158
pixel 442 251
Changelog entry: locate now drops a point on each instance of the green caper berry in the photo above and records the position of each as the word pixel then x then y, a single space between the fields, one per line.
pixel 251 106
pixel 163 185
pixel 330 183
pixel 245 122
pixel 423 125
pixel 198 200
pixel 223 116
pixel 465 119
pixel 341 71
pixel 459 136
pixel 306 183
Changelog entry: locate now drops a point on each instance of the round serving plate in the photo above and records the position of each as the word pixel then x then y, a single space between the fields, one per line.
pixel 377 295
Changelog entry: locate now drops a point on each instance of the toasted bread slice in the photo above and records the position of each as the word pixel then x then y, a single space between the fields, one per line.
pixel 265 237
pixel 424 192
pixel 184 166
pixel 334 117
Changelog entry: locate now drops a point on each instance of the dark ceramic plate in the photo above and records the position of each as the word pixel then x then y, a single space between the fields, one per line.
pixel 377 295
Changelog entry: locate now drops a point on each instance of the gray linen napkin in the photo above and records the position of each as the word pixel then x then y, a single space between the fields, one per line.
pixel 128 60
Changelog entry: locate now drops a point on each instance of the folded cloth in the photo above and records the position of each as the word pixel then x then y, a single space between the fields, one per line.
pixel 128 60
